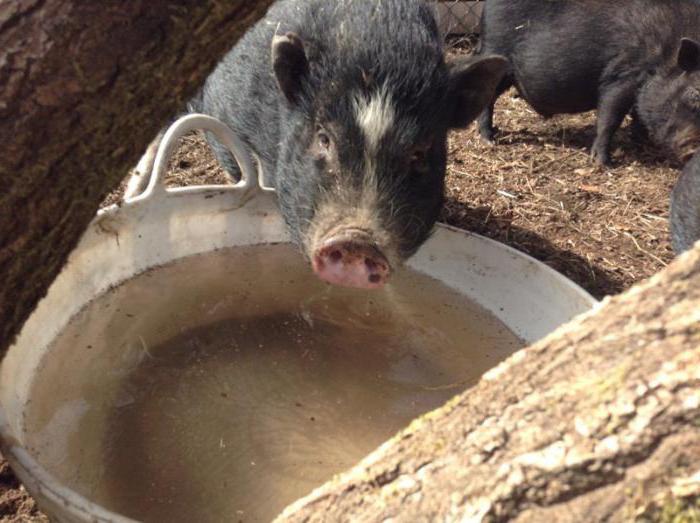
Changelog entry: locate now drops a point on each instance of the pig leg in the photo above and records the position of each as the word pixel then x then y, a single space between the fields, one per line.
pixel 485 121
pixel 615 102
pixel 639 133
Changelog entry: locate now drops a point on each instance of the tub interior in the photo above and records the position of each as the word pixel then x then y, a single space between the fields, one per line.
pixel 226 385
pixel 211 261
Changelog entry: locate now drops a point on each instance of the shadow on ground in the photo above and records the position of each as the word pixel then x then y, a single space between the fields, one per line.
pixel 624 147
pixel 596 280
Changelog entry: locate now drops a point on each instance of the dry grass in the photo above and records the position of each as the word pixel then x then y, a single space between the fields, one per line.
pixel 538 190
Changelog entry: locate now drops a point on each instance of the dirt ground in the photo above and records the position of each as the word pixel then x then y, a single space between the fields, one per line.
pixel 15 504
pixel 536 190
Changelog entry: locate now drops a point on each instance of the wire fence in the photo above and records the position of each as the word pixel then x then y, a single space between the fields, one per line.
pixel 459 21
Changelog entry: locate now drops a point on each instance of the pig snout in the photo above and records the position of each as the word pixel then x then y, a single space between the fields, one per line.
pixel 686 143
pixel 350 259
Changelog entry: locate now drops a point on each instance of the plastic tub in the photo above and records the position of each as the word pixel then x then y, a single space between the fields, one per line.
pixel 162 225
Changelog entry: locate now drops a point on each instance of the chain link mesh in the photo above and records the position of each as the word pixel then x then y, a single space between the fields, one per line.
pixel 459 21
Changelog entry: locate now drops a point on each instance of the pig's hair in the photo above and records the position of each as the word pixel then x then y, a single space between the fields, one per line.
pixel 377 78
pixel 685 207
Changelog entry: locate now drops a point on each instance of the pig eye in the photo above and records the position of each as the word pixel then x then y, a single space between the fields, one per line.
pixel 324 140
pixel 419 157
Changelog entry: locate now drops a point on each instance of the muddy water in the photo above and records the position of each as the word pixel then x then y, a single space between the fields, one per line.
pixel 223 387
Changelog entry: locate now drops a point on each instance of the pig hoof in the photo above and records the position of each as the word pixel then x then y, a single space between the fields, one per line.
pixel 488 136
pixel 601 158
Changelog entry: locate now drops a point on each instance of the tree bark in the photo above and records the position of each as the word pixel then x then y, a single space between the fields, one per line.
pixel 600 421
pixel 84 86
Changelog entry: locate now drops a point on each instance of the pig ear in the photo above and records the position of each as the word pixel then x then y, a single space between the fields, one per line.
pixel 289 64
pixel 689 55
pixel 473 83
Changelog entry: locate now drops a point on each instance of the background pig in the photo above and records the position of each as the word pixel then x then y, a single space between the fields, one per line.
pixel 347 105
pixel 685 207
pixel 622 56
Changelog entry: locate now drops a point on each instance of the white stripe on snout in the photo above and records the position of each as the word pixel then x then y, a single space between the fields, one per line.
pixel 375 116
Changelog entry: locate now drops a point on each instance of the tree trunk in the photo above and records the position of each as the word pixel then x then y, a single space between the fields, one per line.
pixel 600 421
pixel 84 86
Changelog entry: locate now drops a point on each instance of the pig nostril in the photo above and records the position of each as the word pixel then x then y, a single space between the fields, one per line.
pixel 375 278
pixel 370 264
pixel 336 256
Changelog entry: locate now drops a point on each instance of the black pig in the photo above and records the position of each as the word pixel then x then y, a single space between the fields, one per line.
pixel 616 56
pixel 347 105
pixel 685 207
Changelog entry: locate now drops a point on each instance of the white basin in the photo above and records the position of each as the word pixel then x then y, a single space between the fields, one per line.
pixel 162 225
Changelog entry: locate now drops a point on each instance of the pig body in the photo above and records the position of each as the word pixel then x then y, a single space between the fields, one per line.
pixel 638 57
pixel 347 105
pixel 685 207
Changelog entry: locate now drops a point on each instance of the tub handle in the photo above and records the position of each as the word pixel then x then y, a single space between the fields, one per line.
pixel 251 178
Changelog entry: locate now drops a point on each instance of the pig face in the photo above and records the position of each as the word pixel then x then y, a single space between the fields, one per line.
pixel 688 109
pixel 672 99
pixel 361 184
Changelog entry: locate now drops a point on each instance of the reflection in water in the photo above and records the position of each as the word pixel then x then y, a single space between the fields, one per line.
pixel 225 386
